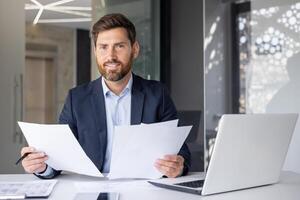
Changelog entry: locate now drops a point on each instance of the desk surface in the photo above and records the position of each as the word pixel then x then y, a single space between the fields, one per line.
pixel 69 184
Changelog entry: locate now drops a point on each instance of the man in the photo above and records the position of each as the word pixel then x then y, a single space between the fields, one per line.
pixel 118 97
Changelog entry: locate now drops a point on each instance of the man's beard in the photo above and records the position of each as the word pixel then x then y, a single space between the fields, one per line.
pixel 115 75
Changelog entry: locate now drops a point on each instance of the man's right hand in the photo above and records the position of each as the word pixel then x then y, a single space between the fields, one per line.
pixel 35 161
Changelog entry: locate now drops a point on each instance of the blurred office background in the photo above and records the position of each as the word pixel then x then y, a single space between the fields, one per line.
pixel 215 57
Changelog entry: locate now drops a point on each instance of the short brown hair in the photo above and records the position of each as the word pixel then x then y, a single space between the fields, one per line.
pixel 111 21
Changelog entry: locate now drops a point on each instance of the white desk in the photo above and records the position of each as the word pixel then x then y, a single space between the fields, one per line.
pixel 287 189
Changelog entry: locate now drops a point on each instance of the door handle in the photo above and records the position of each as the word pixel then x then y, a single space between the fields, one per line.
pixel 18 108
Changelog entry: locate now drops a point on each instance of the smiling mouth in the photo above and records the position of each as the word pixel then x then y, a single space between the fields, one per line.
pixel 112 66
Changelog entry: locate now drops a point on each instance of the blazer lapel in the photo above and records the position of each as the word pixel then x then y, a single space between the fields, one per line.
pixel 99 113
pixel 137 102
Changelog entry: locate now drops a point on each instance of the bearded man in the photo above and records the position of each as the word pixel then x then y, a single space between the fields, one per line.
pixel 118 97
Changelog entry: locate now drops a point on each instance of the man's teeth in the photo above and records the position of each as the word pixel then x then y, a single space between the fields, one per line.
pixel 112 64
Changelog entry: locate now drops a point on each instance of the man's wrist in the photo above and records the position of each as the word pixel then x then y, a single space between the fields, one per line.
pixel 46 173
pixel 39 173
pixel 181 172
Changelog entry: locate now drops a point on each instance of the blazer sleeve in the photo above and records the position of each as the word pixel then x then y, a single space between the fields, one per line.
pixel 53 173
pixel 67 115
pixel 168 112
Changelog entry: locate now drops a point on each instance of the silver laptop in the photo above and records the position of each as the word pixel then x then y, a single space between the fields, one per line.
pixel 249 151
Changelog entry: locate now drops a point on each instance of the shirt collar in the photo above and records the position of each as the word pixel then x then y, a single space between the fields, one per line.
pixel 107 91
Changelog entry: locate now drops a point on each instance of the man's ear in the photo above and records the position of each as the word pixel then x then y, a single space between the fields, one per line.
pixel 94 49
pixel 135 49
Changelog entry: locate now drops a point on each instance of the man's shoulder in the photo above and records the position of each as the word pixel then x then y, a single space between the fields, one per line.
pixel 145 84
pixel 86 88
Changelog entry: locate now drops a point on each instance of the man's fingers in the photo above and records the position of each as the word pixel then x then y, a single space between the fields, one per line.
pixel 35 168
pixel 27 163
pixel 174 158
pixel 174 161
pixel 41 169
pixel 165 170
pixel 34 162
pixel 170 165
pixel 27 150
pixel 167 163
pixel 35 155
pixel 171 158
pixel 168 171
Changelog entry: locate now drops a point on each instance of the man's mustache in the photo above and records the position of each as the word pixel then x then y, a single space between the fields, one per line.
pixel 112 62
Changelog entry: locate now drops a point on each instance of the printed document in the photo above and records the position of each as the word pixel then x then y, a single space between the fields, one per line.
pixel 61 146
pixel 29 189
pixel 137 147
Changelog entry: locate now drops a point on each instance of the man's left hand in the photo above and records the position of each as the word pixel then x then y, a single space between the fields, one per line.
pixel 170 165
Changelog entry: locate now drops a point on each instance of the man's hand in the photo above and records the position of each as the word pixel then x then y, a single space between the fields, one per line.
pixel 35 161
pixel 170 165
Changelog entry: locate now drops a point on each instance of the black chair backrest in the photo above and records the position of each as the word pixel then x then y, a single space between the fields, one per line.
pixel 190 117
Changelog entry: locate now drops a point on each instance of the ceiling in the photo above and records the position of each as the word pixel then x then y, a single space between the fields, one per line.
pixel 68 13
pixel 62 12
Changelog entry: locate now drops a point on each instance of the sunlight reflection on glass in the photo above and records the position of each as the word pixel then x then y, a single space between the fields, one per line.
pixel 290 19
pixel 266 72
pixel 266 12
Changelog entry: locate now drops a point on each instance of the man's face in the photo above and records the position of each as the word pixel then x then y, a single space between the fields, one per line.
pixel 115 54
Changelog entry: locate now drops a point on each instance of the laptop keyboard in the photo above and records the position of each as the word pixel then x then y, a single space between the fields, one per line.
pixel 192 184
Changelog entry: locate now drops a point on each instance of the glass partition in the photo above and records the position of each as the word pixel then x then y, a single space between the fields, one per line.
pixel 268 46
pixel 252 56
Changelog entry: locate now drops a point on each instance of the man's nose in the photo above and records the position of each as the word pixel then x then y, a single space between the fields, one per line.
pixel 112 53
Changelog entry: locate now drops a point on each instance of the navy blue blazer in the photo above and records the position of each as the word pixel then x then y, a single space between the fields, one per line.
pixel 84 111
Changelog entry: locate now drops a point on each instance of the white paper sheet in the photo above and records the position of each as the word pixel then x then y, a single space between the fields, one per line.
pixel 62 148
pixel 136 148
pixel 171 123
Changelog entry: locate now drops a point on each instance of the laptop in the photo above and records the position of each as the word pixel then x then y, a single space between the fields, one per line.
pixel 249 151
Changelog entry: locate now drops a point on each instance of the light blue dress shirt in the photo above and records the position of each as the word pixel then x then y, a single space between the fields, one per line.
pixel 118 112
